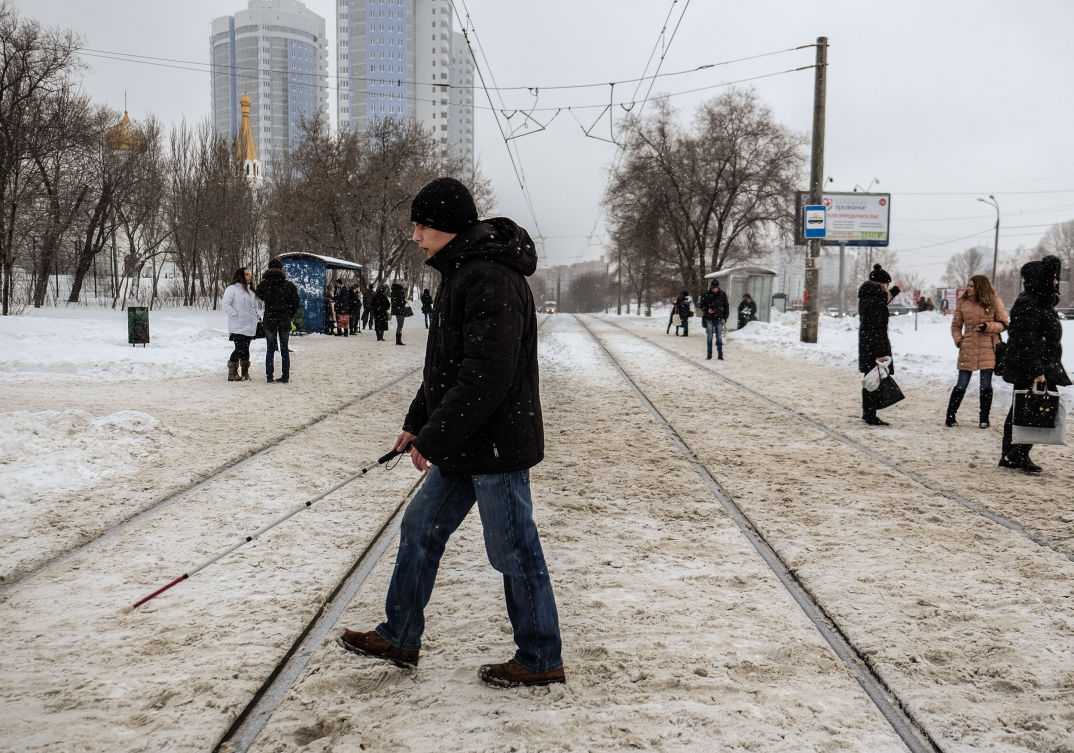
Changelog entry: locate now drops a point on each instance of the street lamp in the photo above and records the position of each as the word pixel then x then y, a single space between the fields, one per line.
pixel 995 253
pixel 866 189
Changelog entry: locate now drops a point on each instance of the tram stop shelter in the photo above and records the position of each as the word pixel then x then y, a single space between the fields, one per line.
pixel 737 281
pixel 311 274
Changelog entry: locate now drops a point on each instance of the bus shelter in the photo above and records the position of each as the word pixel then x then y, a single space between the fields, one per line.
pixel 311 274
pixel 737 281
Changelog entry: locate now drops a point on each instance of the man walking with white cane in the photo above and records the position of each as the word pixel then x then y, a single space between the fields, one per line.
pixel 475 425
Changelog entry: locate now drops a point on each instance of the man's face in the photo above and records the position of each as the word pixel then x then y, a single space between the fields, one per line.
pixel 430 241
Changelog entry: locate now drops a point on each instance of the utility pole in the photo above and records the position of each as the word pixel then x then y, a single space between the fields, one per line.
pixel 810 317
pixel 993 202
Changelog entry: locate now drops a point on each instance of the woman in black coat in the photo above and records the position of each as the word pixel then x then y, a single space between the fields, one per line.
pixel 381 307
pixel 873 343
pixel 398 311
pixel 1034 348
pixel 426 305
pixel 682 308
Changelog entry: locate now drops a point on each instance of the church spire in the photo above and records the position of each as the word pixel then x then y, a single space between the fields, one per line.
pixel 245 148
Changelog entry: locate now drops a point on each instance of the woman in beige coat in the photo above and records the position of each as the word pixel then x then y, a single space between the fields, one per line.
pixel 978 321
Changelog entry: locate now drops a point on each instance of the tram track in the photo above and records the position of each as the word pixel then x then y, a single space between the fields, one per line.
pixel 1009 523
pixel 214 475
pixel 894 710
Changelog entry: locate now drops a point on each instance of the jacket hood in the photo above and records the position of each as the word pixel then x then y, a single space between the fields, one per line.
pixel 870 289
pixel 498 239
pixel 273 274
pixel 1039 276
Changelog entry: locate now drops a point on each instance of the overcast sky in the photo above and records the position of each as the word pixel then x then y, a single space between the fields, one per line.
pixel 941 102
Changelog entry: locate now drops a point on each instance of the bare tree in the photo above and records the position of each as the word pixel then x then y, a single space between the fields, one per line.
pixel 33 63
pixel 1059 241
pixel 721 188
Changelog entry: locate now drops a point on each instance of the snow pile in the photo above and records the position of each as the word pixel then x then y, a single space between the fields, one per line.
pixel 52 451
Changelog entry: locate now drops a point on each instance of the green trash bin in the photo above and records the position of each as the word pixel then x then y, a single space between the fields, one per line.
pixel 138 325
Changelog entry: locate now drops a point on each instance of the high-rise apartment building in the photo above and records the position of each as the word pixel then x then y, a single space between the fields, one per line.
pixel 403 59
pixel 276 53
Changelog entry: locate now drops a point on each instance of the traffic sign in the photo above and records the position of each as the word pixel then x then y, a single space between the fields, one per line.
pixel 816 221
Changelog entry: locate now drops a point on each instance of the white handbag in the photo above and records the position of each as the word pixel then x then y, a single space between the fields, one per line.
pixel 872 379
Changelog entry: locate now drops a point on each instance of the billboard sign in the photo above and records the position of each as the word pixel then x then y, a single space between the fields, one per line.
pixel 856 219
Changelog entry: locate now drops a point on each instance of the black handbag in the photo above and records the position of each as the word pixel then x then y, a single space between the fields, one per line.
pixel 260 333
pixel 407 311
pixel 1001 356
pixel 1036 409
pixel 886 394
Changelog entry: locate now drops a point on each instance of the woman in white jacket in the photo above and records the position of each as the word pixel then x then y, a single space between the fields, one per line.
pixel 240 303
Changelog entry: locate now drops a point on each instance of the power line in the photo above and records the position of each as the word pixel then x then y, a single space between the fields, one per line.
pixel 209 67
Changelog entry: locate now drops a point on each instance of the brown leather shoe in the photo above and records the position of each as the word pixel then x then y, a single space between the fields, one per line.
pixel 511 674
pixel 372 644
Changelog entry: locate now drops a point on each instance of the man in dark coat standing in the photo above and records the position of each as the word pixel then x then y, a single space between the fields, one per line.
pixel 1034 348
pixel 714 312
pixel 281 303
pixel 873 343
pixel 475 425
pixel 381 311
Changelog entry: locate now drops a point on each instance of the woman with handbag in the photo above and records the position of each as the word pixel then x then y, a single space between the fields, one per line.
pixel 873 343
pixel 1034 349
pixel 976 326
pixel 240 303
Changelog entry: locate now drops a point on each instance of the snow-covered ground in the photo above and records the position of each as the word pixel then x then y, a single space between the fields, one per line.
pixel 676 635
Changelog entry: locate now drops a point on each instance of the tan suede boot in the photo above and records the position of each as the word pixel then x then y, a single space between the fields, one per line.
pixel 233 371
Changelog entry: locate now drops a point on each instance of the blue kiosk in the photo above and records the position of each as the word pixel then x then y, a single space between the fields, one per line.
pixel 311 274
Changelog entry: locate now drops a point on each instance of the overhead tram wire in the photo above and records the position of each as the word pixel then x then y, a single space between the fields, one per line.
pixel 621 152
pixel 516 164
pixel 207 67
pixel 265 75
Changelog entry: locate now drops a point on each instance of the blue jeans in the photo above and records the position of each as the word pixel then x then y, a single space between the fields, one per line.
pixel 714 326
pixel 513 548
pixel 964 379
pixel 270 339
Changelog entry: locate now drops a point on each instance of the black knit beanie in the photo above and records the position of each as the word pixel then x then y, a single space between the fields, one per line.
pixel 879 275
pixel 445 205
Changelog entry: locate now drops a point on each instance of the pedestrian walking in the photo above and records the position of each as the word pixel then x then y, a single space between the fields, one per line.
pixel 475 425
pixel 873 343
pixel 341 299
pixel 715 309
pixel 747 310
pixel 399 308
pixel 367 307
pixel 1034 348
pixel 281 304
pixel 381 311
pixel 356 309
pixel 682 308
pixel 426 305
pixel 978 320
pixel 240 304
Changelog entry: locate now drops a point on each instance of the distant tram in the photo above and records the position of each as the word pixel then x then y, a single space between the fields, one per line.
pixel 549 307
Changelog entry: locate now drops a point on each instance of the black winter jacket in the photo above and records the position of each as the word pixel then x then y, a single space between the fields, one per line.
pixel 873 340
pixel 281 299
pixel 1036 334
pixel 398 300
pixel 381 307
pixel 478 409
pixel 717 301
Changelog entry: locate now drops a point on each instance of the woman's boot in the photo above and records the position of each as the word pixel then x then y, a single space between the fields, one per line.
pixel 952 405
pixel 986 406
pixel 233 371
pixel 245 370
